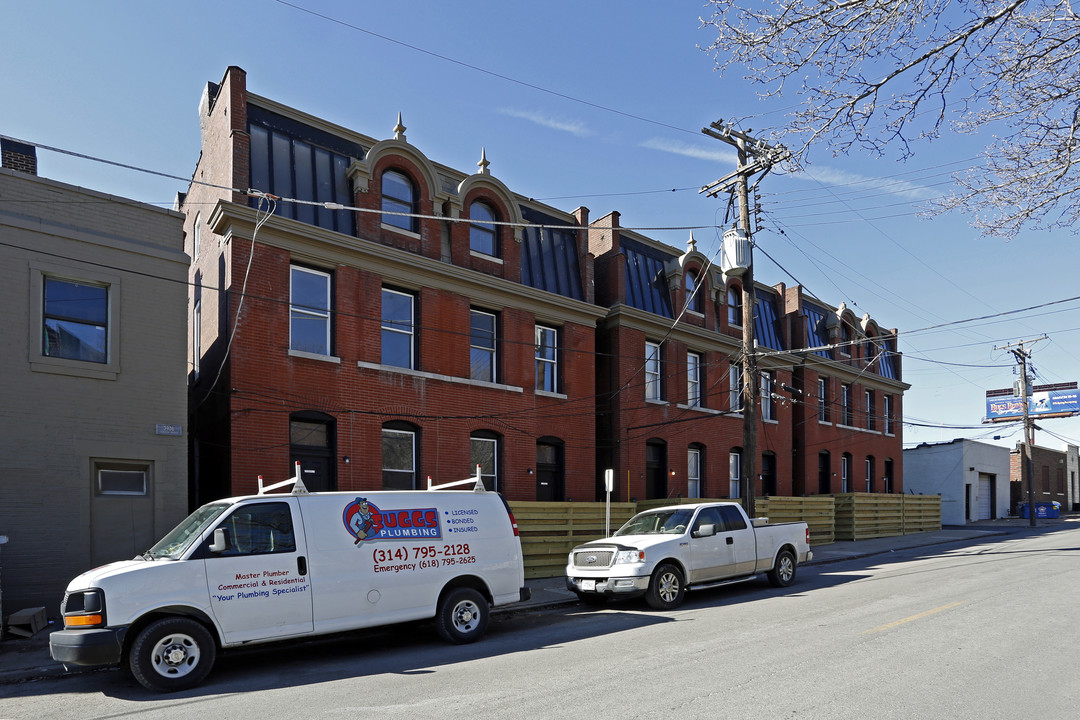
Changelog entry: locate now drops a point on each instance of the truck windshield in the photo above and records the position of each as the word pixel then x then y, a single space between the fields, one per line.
pixel 661 522
pixel 180 537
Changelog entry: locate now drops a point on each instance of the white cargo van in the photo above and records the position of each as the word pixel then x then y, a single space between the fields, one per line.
pixel 268 567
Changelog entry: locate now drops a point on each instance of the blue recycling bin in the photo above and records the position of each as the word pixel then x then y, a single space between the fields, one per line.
pixel 1048 510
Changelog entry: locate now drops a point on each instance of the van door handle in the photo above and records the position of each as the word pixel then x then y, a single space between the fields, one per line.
pixel 301 565
pixel 730 540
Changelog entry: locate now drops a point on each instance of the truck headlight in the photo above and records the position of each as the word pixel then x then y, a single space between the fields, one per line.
pixel 630 556
pixel 84 609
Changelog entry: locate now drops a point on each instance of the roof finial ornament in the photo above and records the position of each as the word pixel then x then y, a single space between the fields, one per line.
pixel 483 164
pixel 399 129
pixel 691 246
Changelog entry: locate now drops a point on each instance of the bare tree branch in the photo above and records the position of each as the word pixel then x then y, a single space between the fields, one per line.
pixel 878 75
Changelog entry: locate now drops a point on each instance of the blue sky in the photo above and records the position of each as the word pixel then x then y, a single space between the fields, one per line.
pixel 597 104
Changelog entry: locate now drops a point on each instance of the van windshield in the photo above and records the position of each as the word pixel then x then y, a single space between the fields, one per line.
pixel 177 541
pixel 661 522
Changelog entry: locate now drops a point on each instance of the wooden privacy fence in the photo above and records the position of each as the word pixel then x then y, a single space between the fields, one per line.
pixel 549 530
pixel 817 511
pixel 861 516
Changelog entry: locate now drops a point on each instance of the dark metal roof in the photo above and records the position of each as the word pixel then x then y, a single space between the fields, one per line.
pixel 645 286
pixel 549 258
pixel 767 322
pixel 889 363
pixel 817 334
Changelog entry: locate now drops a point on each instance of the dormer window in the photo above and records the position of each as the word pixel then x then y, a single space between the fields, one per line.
pixel 734 306
pixel 398 196
pixel 483 236
pixel 693 292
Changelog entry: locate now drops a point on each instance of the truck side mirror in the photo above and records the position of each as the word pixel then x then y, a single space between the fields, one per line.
pixel 220 544
pixel 704 531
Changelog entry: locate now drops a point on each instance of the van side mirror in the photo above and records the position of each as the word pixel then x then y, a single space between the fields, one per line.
pixel 220 544
pixel 704 531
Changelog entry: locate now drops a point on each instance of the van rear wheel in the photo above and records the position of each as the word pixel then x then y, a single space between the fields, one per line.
pixel 174 653
pixel 462 616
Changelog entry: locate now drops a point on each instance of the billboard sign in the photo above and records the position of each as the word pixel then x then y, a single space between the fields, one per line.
pixel 1042 403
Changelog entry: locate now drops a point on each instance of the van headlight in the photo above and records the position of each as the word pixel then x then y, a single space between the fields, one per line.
pixel 84 609
pixel 630 556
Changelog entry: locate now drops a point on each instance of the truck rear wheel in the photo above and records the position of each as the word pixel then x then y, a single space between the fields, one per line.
pixel 666 588
pixel 462 616
pixel 174 653
pixel 783 572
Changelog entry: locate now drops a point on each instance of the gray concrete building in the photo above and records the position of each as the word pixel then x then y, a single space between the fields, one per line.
pixel 93 375
pixel 972 478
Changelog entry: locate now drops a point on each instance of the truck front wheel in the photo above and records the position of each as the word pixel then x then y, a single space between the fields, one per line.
pixel 666 588
pixel 783 572
pixel 174 653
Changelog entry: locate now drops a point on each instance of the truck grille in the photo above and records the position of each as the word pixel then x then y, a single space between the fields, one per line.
pixel 590 558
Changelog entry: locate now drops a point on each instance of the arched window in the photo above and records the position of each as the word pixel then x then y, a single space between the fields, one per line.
pixel 695 483
pixel 693 292
pixel 400 456
pixel 734 306
pixel 484 451
pixel 483 235
pixel 398 196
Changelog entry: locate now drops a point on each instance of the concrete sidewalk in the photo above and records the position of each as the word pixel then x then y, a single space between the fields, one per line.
pixel 23 659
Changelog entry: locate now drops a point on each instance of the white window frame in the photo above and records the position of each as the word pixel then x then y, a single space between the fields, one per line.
pixel 306 312
pixel 823 400
pixel 768 403
pixel 551 363
pixel 412 440
pixel 693 379
pixel 735 386
pixel 693 472
pixel 489 351
pixel 653 389
pixel 869 473
pixel 845 473
pixel 490 476
pixel 484 228
pixel 395 327
pixel 196 237
pixel 846 411
pixel 887 412
pixel 141 469
pixel 735 307
pixel 868 401
pixel 734 474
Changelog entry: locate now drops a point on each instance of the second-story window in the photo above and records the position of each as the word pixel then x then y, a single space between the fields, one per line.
pixel 868 397
pixel 398 335
pixel 768 404
pixel 483 235
pixel 847 412
pixel 309 311
pixel 735 388
pixel 823 400
pixel 481 345
pixel 547 359
pixel 887 411
pixel 693 379
pixel 398 196
pixel 652 371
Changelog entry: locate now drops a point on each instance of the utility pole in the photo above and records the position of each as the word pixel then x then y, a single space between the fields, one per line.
pixel 754 156
pixel 1022 357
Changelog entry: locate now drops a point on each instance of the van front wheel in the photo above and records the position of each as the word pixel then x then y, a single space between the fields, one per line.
pixel 462 616
pixel 174 653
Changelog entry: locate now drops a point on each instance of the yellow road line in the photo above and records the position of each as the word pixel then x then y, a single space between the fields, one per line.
pixel 913 617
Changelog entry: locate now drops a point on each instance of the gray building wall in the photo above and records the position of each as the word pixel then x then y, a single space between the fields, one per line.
pixel 61 420
pixel 953 470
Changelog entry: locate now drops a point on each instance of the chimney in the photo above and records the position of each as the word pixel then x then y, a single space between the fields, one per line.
pixel 17 156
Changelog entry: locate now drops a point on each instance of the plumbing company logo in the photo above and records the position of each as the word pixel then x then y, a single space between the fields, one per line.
pixel 365 521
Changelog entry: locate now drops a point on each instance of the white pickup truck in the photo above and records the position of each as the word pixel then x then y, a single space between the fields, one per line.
pixel 662 553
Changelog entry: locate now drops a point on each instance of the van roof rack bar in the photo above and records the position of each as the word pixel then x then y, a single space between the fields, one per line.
pixel 298 484
pixel 476 479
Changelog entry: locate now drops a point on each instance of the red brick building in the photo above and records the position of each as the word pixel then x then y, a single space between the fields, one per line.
pixel 668 381
pixel 379 348
pixel 444 321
